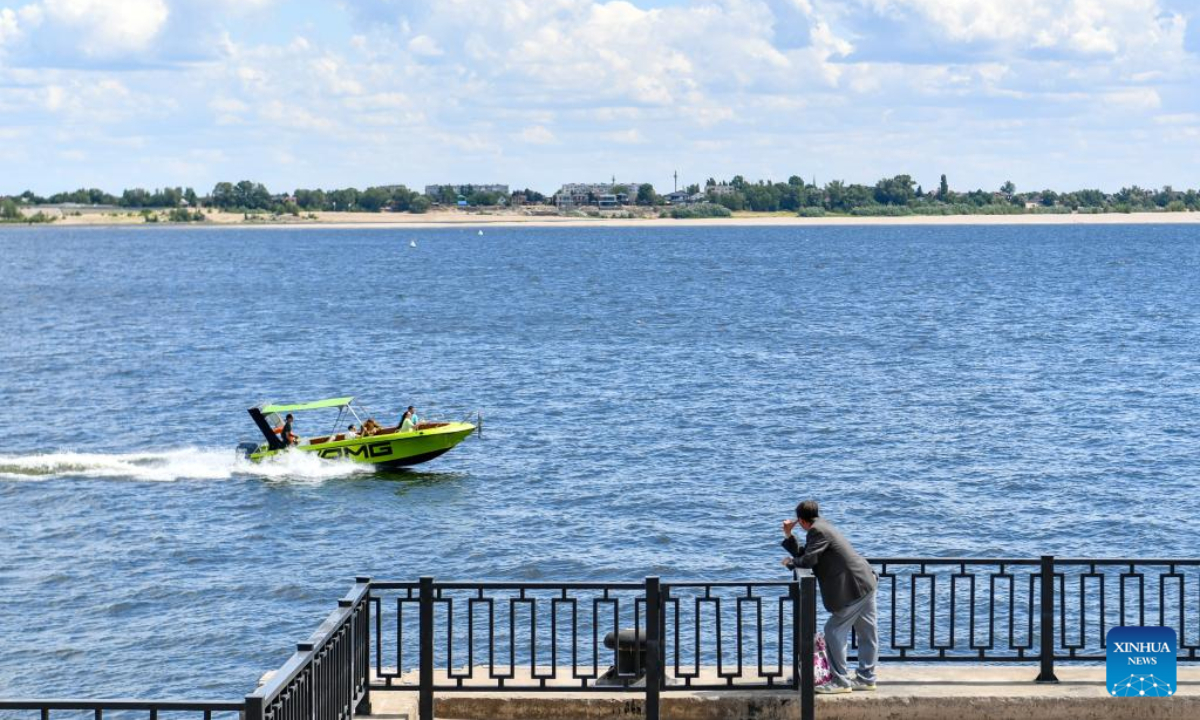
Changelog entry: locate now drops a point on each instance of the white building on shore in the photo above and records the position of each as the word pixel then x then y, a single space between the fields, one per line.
pixel 572 195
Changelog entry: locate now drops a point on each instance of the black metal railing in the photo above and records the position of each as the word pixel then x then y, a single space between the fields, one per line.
pixel 149 709
pixel 327 677
pixel 1043 610
pixel 546 637
pixel 431 637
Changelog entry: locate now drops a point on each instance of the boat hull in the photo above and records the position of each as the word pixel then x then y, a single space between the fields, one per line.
pixel 392 450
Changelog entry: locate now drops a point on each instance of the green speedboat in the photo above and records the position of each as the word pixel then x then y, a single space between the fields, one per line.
pixel 384 447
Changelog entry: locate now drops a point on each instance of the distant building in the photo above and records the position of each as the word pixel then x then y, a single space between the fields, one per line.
pixel 572 195
pixel 608 201
pixel 683 197
pixel 722 189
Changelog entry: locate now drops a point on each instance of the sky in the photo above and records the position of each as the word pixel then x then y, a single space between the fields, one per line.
pixel 1064 94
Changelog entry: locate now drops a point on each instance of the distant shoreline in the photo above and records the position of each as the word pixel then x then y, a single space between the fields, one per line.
pixel 450 219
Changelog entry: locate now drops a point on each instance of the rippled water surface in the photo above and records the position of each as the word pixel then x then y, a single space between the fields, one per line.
pixel 656 400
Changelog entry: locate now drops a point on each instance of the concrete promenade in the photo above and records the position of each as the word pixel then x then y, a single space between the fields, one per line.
pixel 906 692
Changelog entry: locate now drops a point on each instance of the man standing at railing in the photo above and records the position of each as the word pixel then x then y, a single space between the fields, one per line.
pixel 847 590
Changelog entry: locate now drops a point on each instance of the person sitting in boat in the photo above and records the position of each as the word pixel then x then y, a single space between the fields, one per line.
pixel 285 432
pixel 370 427
pixel 408 421
pixel 351 433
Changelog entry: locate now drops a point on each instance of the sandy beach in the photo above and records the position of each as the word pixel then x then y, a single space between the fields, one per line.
pixel 516 218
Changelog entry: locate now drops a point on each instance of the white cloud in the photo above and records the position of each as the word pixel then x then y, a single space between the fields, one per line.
pixel 9 30
pixel 1178 119
pixel 108 29
pixel 827 43
pixel 1086 27
pixel 227 105
pixel 68 103
pixel 336 77
pixel 16 24
pixel 380 101
pixel 228 111
pixel 532 90
pixel 626 137
pixel 424 45
pixel 1140 99
pixel 537 135
pixel 55 97
pixel 286 115
pixel 608 53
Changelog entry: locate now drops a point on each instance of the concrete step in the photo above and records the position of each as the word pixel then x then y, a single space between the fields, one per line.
pixel 905 692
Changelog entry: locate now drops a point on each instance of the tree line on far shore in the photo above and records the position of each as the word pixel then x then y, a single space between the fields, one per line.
pixel 250 196
pixel 898 195
pixel 901 195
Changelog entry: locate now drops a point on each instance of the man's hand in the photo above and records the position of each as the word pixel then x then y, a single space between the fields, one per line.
pixel 787 563
pixel 788 526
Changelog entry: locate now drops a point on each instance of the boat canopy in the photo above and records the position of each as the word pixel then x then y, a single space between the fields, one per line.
pixel 315 405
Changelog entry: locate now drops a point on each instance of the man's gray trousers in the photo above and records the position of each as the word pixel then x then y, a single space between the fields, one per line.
pixel 860 615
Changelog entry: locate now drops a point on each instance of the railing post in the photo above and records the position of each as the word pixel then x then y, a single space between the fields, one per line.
pixel 797 616
pixel 364 617
pixel 808 637
pixel 654 658
pixel 346 670
pixel 314 692
pixel 425 701
pixel 1047 622
pixel 254 707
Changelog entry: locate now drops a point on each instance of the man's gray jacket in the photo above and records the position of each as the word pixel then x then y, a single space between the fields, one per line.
pixel 843 574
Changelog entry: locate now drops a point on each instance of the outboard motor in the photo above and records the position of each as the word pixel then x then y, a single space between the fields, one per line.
pixel 245 449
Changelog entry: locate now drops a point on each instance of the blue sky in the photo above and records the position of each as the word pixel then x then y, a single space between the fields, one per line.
pixel 1046 93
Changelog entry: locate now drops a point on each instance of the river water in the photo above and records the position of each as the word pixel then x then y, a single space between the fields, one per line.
pixel 655 402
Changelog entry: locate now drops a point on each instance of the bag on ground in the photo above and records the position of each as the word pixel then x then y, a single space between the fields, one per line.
pixel 821 672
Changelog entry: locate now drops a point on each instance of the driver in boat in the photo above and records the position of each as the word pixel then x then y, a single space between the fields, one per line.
pixel 409 420
pixel 285 432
